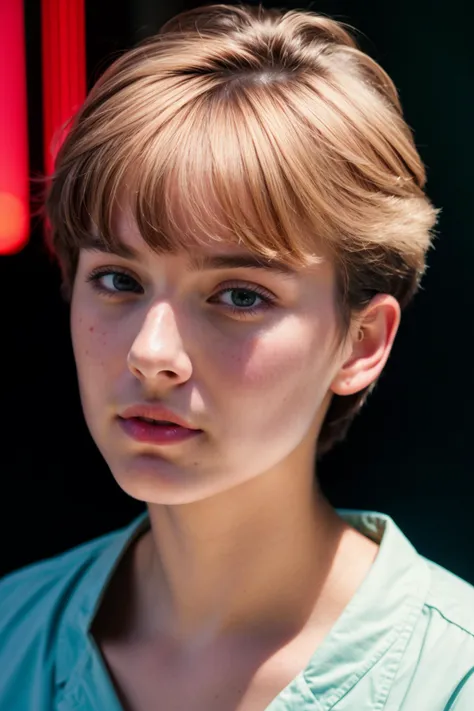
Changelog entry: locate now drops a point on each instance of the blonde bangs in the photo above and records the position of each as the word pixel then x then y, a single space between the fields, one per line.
pixel 214 168
pixel 273 166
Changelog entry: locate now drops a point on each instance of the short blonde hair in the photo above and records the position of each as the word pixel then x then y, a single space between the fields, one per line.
pixel 272 122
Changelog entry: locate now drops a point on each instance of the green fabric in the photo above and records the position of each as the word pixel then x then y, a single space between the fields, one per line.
pixel 405 642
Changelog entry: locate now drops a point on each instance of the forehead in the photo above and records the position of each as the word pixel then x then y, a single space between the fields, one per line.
pixel 215 248
pixel 164 218
pixel 222 256
pixel 205 234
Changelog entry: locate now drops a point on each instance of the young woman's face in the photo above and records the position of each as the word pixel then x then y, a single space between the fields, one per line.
pixel 246 355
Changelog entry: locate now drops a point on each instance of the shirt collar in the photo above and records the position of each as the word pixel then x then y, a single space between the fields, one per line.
pixel 88 588
pixel 378 618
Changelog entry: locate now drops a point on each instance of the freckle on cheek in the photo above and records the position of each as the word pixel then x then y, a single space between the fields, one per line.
pixel 91 329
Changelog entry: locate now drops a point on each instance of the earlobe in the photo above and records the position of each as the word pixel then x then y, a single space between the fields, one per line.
pixel 371 345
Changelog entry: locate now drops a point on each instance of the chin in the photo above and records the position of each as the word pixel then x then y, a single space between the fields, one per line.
pixel 161 482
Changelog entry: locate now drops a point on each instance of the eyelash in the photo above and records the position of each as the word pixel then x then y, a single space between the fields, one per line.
pixel 268 301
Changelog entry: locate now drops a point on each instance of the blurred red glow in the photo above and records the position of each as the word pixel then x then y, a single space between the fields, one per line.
pixel 64 70
pixel 14 187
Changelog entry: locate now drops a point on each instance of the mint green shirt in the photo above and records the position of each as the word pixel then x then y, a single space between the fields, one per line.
pixel 405 642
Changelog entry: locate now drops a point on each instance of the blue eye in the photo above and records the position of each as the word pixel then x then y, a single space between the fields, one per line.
pixel 243 300
pixel 119 282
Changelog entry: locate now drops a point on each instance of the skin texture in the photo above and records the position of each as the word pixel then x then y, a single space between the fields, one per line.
pixel 244 556
pixel 255 385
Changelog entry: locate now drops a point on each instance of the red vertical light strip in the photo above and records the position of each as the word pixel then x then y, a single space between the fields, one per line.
pixel 45 41
pixel 64 70
pixel 14 188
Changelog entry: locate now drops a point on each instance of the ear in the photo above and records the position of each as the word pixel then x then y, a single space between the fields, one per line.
pixel 370 342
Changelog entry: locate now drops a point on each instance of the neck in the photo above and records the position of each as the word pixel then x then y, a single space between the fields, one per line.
pixel 254 559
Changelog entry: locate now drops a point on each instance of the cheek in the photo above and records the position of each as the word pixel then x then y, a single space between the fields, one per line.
pixel 280 359
pixel 271 393
pixel 93 344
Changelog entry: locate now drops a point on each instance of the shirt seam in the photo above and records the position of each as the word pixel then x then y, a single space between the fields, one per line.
pixel 448 619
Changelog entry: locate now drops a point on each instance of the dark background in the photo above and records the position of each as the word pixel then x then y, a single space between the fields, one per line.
pixel 408 454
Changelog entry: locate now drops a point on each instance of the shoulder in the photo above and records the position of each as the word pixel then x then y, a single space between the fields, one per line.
pixel 35 588
pixel 34 603
pixel 439 661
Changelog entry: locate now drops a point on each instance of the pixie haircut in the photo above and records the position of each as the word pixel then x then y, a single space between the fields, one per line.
pixel 268 125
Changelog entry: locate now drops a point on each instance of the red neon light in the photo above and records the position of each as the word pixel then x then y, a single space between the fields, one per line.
pixel 64 69
pixel 14 187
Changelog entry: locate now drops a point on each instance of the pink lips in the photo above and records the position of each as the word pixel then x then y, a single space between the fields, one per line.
pixel 168 429
pixel 156 434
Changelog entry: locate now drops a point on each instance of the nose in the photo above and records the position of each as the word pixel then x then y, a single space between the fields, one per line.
pixel 157 353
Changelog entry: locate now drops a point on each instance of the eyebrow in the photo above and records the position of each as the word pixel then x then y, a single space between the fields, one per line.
pixel 236 261
pixel 198 261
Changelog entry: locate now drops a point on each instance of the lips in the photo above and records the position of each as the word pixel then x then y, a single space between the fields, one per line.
pixel 155 415
pixel 156 422
pixel 147 432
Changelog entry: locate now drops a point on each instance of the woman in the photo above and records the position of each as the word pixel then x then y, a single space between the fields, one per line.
pixel 239 215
